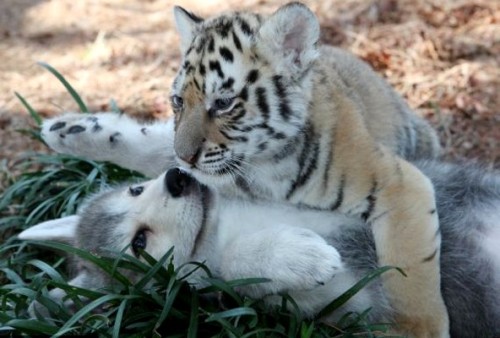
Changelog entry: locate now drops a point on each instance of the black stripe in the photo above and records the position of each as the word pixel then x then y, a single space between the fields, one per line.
pixel 201 43
pixel 340 194
pixel 224 27
pixel 307 160
pixel 244 129
pixel 228 84
pixel 197 85
pixel 245 27
pixel 189 50
pixel 237 42
pixel 329 160
pixel 289 149
pixel 253 76
pixel 372 199
pixel 211 44
pixel 238 115
pixel 226 54
pixel 284 108
pixel 244 94
pixel 215 65
pixel 202 69
pixel 234 138
pixel 260 92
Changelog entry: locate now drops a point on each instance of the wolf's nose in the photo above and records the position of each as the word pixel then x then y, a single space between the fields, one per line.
pixel 177 181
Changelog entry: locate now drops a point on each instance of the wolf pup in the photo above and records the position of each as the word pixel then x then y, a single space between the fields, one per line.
pixel 313 255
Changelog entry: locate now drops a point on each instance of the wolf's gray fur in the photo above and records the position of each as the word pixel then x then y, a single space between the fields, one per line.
pixel 466 196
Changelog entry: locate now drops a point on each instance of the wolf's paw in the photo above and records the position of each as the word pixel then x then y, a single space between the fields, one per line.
pixel 307 261
pixel 291 258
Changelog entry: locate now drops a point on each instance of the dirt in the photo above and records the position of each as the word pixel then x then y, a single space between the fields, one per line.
pixel 443 56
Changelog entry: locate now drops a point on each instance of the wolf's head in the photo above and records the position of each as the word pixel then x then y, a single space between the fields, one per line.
pixel 153 216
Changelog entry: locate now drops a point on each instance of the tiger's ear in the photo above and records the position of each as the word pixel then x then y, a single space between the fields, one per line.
pixel 186 24
pixel 60 230
pixel 290 33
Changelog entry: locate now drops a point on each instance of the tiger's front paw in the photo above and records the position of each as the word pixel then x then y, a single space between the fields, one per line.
pixel 80 134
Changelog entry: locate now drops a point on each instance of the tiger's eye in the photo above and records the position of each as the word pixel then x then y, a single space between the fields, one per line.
pixel 177 102
pixel 223 104
pixel 136 191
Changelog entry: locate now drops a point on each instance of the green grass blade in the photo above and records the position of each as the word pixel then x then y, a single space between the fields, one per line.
pixel 153 270
pixel 87 309
pixel 119 318
pixel 46 268
pixel 68 87
pixel 170 296
pixel 32 326
pixel 342 299
pixel 30 109
pixel 225 287
pixel 237 312
pixel 193 320
pixel 101 262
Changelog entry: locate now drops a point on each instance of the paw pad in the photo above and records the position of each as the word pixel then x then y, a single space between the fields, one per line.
pixel 57 126
pixel 76 129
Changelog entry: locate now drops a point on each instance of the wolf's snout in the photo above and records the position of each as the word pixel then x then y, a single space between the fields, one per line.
pixel 177 181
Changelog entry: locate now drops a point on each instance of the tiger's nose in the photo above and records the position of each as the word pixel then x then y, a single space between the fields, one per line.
pixel 191 158
pixel 176 181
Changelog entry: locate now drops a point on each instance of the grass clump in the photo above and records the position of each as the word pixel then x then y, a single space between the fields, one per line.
pixel 159 304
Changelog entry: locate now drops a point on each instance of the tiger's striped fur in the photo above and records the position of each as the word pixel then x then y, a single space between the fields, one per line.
pixel 262 112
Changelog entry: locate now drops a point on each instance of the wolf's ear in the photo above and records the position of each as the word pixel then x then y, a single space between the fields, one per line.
pixel 60 230
pixel 289 36
pixel 186 23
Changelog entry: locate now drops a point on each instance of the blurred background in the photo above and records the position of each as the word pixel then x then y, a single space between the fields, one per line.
pixel 443 56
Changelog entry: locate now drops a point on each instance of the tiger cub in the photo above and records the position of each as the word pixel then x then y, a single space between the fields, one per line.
pixel 263 112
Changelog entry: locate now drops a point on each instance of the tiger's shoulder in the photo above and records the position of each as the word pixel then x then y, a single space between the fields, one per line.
pixel 386 116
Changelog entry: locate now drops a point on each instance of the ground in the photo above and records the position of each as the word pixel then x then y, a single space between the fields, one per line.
pixel 443 56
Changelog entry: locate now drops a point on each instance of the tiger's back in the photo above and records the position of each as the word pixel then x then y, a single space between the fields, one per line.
pixel 386 115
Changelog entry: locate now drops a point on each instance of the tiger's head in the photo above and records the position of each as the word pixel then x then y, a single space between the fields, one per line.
pixel 242 92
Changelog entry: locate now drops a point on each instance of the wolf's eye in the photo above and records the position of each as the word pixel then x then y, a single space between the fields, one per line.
pixel 139 241
pixel 177 102
pixel 223 104
pixel 136 191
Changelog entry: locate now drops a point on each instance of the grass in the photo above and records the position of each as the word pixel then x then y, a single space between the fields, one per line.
pixel 159 304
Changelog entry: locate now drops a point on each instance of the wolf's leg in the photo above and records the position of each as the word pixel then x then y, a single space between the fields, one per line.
pixel 292 258
pixel 146 148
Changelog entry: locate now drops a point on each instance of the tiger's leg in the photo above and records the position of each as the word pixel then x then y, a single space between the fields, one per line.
pixel 406 231
pixel 146 148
